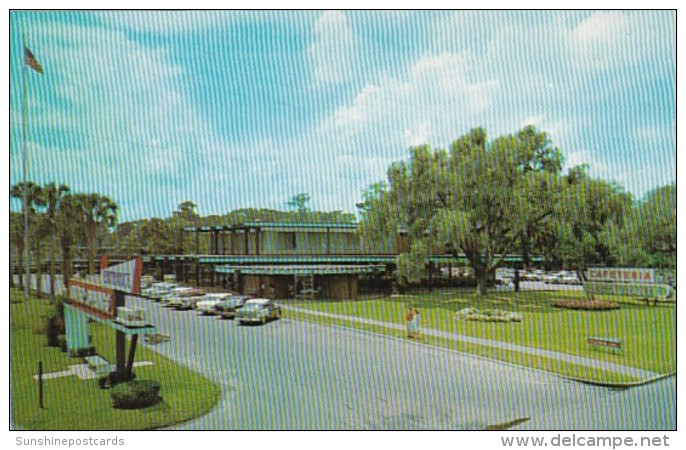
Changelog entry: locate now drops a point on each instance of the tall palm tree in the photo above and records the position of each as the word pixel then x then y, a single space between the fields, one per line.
pixel 53 195
pixel 98 212
pixel 34 198
pixel 17 242
pixel 69 225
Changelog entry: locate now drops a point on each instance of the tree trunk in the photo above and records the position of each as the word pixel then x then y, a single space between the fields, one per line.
pixel 91 257
pixel 20 259
pixel 11 270
pixel 66 266
pixel 580 276
pixel 37 254
pixel 53 264
pixel 481 282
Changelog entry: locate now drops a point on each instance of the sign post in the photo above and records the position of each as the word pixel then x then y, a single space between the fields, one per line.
pixel 104 300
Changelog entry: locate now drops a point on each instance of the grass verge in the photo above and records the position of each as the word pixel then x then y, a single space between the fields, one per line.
pixel 75 404
pixel 647 332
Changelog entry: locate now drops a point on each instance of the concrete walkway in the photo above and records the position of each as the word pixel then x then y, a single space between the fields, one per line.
pixel 572 359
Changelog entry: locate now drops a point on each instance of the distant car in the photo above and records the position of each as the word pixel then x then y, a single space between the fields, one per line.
pixel 227 308
pixel 258 310
pixel 207 305
pixel 158 290
pixel 188 300
pixel 173 298
pixel 565 277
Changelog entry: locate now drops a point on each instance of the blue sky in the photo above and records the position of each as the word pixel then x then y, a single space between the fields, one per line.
pixel 246 109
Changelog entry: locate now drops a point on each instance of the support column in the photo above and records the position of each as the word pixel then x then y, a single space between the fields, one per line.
pixel 120 337
pixel 132 356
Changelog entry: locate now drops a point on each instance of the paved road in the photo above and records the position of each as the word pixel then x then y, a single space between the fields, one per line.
pixel 297 375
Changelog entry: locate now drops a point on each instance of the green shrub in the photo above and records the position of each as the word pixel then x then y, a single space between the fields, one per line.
pixel 16 296
pixel 54 327
pixel 135 394
pixel 62 342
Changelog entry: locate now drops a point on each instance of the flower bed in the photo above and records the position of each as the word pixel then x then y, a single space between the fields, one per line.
pixel 585 305
pixel 488 315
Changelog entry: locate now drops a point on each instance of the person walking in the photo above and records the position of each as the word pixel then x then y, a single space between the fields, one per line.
pixel 415 324
pixel 409 318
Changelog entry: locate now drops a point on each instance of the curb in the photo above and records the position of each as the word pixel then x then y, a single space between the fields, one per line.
pixel 623 385
pixel 485 358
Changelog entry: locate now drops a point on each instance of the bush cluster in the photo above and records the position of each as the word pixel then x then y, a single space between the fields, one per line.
pixel 488 315
pixel 586 305
pixel 135 394
pixel 16 296
pixel 54 327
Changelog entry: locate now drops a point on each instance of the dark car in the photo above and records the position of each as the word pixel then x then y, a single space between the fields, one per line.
pixel 227 308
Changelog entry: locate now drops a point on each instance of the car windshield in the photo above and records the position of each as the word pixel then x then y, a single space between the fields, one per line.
pixel 251 307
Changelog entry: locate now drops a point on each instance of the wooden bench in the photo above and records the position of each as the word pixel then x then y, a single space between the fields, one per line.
pixel 613 344
pixel 99 365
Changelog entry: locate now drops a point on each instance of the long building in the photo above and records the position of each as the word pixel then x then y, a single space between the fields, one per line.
pixel 278 260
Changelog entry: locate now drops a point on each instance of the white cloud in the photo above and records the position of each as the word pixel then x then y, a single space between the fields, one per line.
pixel 333 49
pixel 114 116
pixel 609 39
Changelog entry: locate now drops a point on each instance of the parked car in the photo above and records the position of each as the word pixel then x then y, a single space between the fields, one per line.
pixel 158 290
pixel 565 277
pixel 258 310
pixel 207 305
pixel 188 300
pixel 227 308
pixel 173 294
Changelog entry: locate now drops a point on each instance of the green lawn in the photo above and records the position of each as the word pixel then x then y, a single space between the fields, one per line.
pixel 71 403
pixel 648 332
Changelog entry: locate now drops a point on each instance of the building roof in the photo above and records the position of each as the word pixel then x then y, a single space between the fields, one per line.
pixel 311 226
pixel 300 270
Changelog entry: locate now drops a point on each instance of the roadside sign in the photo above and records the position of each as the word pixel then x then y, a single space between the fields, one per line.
pixel 125 277
pixel 92 298
pixel 633 282
pixel 627 275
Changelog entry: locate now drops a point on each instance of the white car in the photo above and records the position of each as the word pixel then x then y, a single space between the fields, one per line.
pixel 258 310
pixel 207 304
pixel 174 293
pixel 189 300
pixel 158 290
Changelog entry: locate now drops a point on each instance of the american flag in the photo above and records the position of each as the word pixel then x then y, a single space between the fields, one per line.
pixel 31 61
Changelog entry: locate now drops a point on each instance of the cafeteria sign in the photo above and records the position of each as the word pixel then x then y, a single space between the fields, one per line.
pixel 97 296
pixel 632 282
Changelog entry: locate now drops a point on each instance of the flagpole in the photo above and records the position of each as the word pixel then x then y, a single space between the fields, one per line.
pixel 27 266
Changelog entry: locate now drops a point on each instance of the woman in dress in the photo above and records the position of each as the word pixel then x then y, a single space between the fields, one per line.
pixel 408 322
pixel 415 324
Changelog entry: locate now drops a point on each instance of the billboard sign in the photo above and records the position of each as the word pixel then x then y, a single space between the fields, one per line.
pixel 96 295
pixel 125 277
pixel 625 275
pixel 92 298
pixel 632 282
